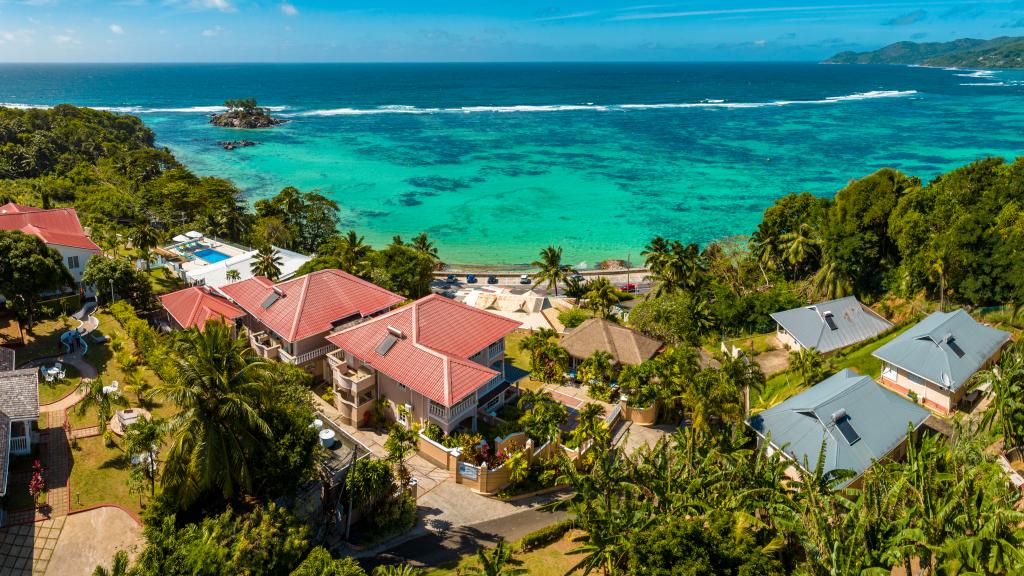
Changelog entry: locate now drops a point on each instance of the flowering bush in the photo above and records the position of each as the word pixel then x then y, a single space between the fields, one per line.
pixel 37 485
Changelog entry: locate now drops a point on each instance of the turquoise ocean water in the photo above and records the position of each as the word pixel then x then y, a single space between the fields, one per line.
pixel 495 161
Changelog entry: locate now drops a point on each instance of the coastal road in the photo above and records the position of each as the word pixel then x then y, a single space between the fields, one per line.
pixel 638 277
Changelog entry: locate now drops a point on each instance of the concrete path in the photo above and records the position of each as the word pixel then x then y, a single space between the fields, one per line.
pixel 92 538
pixel 440 548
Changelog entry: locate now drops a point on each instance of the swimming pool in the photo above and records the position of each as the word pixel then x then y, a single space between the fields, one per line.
pixel 211 255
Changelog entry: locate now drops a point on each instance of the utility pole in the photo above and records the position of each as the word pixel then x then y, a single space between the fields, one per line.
pixel 351 469
pixel 111 290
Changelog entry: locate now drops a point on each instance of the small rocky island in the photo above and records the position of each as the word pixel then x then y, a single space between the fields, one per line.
pixel 232 144
pixel 244 113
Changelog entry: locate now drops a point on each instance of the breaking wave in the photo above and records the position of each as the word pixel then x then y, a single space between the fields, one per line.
pixel 597 107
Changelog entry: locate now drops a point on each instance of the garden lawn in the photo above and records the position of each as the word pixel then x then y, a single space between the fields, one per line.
pixel 44 340
pixel 786 384
pixel 52 391
pixel 520 359
pixel 99 475
pixel 163 281
pixel 548 561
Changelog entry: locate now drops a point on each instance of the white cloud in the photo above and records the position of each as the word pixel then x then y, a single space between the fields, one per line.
pixel 221 5
pixel 572 16
pixel 22 36
pixel 760 43
pixel 730 11
pixel 211 32
pixel 289 9
pixel 64 40
pixel 116 29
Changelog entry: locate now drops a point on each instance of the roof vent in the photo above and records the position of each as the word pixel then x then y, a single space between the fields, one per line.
pixel 395 332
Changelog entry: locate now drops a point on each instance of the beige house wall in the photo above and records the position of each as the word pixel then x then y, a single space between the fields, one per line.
pixel 928 393
pixel 786 339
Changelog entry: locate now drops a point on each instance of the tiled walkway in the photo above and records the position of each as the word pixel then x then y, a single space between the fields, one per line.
pixel 27 549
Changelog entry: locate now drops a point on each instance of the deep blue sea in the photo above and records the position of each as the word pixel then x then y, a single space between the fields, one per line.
pixel 495 161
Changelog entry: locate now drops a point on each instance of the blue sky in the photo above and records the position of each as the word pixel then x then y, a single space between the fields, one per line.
pixel 499 30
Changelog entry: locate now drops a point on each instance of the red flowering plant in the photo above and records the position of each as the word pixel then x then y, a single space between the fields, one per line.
pixel 37 485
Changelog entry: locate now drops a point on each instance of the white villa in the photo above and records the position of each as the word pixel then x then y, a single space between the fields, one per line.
pixel 205 260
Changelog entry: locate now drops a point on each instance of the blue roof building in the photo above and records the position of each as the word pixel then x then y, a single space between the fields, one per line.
pixel 859 422
pixel 934 360
pixel 829 326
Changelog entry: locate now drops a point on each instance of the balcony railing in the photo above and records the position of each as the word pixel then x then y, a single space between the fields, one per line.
pixel 311 355
pixel 453 414
pixel 20 445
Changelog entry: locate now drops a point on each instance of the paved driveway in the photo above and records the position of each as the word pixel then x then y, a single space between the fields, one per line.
pixel 91 538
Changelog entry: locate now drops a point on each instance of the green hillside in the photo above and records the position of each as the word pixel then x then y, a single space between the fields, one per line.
pixel 1002 52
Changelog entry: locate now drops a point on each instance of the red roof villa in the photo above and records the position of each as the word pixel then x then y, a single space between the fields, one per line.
pixel 59 228
pixel 192 307
pixel 289 321
pixel 435 360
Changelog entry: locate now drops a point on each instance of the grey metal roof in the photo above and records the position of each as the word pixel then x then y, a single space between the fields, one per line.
pixel 6 359
pixel 853 323
pixel 878 417
pixel 19 394
pixel 946 348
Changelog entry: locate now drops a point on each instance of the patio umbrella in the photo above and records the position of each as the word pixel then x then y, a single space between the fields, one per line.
pixel 180 238
pixel 194 234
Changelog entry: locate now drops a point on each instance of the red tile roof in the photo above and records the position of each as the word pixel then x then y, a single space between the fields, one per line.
pixel 439 335
pixel 310 304
pixel 192 307
pixel 58 226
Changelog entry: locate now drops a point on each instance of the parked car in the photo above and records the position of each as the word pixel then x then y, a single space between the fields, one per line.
pixel 524 279
pixel 492 279
pixel 451 279
pixel 470 279
pixel 631 288
pixel 577 277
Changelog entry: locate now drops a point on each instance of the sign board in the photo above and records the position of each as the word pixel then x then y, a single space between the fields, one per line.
pixel 468 471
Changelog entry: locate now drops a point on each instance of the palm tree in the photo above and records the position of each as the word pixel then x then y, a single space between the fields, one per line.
pixel 655 253
pixel 809 363
pixel 219 385
pixel 600 366
pixel 601 296
pixel 423 245
pixel 830 282
pixel 233 275
pixel 267 263
pixel 938 270
pixel 353 250
pixel 800 246
pixel 118 568
pixel 103 402
pixel 144 236
pixel 400 443
pixel 551 270
pixel 589 425
pixel 499 562
pixel 144 438
pixel 1006 385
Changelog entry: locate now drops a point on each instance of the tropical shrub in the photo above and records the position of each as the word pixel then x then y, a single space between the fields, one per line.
pixel 572 317
pixel 546 536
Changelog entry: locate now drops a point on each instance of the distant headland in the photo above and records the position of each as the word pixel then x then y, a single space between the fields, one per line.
pixel 1002 52
pixel 244 113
